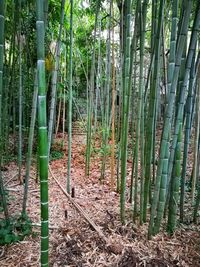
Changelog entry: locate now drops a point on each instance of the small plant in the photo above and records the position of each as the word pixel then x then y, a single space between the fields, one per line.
pixel 56 155
pixel 14 230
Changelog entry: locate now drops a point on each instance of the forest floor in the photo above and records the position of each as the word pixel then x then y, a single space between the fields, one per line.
pixel 73 242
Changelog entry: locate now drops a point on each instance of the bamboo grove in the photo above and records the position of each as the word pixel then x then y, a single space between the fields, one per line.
pixel 130 72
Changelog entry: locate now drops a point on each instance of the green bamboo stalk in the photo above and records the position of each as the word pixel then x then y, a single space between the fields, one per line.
pixel 143 13
pixel 70 100
pixel 196 148
pixel 2 23
pixel 113 102
pixel 54 80
pixel 20 96
pixel 59 110
pixel 90 96
pixel 151 119
pixel 120 83
pixel 188 126
pixel 164 67
pixel 42 133
pixel 184 92
pixel 106 129
pixel 178 121
pixel 168 114
pixel 154 18
pixel 30 145
pixel 172 51
pixel 125 107
pixel 180 82
pixel 196 207
pixel 12 63
pixel 133 62
pixel 64 94
pixel 119 79
pixel 46 9
pixel 98 78
pixel 3 199
pixel 171 63
pixel 133 69
pixel 162 188
pixel 184 87
pixel 140 122
pixel 175 184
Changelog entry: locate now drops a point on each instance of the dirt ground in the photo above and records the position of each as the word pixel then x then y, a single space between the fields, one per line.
pixel 73 242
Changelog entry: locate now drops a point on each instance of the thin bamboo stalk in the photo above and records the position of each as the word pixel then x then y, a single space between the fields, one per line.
pixel 2 24
pixel 30 144
pixel 20 97
pixel 151 118
pixel 113 103
pixel 90 87
pixel 70 100
pixel 125 107
pixel 54 80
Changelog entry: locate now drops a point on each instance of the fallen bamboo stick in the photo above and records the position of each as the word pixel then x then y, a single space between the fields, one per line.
pixel 80 210
pixel 15 175
pixel 51 227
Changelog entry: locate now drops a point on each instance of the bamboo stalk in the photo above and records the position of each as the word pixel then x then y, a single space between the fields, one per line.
pixel 113 104
pixel 54 80
pixel 70 101
pixel 42 133
pixel 168 118
pixel 30 144
pixel 2 23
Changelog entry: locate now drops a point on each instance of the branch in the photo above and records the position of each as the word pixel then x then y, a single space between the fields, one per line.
pixel 80 210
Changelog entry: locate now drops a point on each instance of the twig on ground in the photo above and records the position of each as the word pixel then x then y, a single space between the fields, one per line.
pixel 13 189
pixel 51 227
pixel 81 211
pixel 10 179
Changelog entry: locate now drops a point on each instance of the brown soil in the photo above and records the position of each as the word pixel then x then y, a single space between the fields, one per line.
pixel 73 242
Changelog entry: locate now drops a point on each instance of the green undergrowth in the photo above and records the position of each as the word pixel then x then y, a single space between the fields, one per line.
pixel 15 229
pixel 55 154
pixel 102 151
